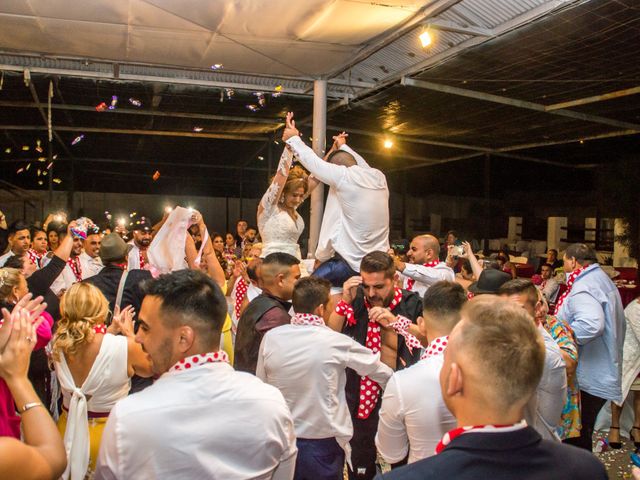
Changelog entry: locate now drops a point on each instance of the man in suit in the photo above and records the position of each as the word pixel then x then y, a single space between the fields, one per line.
pixel 497 341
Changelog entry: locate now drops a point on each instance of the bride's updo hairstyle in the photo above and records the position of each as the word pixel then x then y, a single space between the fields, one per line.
pixel 82 307
pixel 297 178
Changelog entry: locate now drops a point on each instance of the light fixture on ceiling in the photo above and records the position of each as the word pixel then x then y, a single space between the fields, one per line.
pixel 388 143
pixel 425 38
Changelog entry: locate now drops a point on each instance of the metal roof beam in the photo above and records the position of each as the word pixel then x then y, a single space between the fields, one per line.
pixel 594 99
pixel 447 26
pixel 124 131
pixel 512 102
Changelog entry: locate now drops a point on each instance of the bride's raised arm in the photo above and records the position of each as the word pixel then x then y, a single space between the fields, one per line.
pixel 272 195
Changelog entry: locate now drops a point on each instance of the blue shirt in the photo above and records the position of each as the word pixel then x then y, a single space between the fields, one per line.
pixel 594 311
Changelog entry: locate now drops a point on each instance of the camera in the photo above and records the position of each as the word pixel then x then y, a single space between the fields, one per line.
pixel 457 251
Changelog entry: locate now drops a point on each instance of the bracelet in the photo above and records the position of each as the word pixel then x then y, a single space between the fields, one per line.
pixel 29 406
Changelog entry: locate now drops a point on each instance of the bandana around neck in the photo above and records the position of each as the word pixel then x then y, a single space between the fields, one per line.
pixel 74 264
pixel 456 432
pixel 436 347
pixel 307 319
pixel 195 361
pixel 570 281
pixel 411 282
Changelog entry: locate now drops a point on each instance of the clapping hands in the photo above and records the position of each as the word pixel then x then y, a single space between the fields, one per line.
pixel 122 321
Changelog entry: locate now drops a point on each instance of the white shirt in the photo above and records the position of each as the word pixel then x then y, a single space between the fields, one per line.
pixel 67 278
pixel 550 290
pixel 90 266
pixel 205 422
pixel 413 415
pixel 426 276
pixel 357 216
pixel 6 257
pixel 307 364
pixel 133 261
pixel 545 407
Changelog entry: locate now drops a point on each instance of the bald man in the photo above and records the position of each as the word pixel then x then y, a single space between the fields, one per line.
pixel 424 268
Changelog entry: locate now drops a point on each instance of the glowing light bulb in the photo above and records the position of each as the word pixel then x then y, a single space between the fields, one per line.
pixel 425 38
pixel 388 143
pixel 168 209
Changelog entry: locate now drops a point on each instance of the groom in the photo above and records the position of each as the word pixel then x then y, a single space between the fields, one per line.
pixel 356 216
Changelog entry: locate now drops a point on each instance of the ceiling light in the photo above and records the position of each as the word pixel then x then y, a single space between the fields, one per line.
pixel 388 144
pixel 425 38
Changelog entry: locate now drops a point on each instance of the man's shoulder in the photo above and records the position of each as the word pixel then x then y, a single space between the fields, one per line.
pixel 138 274
pixel 421 374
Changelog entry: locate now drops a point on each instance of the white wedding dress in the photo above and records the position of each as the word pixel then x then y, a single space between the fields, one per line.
pixel 279 232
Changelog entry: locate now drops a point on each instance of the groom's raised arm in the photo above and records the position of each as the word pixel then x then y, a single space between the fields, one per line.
pixel 325 172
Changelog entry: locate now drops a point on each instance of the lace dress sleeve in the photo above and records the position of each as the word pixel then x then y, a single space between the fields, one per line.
pixel 269 200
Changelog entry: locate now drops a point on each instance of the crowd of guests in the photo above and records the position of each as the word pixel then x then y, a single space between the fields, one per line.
pixel 164 351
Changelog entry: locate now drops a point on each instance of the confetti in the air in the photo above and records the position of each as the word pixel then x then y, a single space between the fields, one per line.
pixel 20 170
pixel 230 92
pixel 217 66
pixel 44 174
pixel 77 140
pixel 38 146
pixel 25 148
pixel 40 182
pixel 39 172
pixel 42 159
pixel 261 100
pixel 101 107
pixel 197 129
pixel 49 166
pixel 114 102
pixel 260 158
pixel 156 175
pixel 135 102
pixel 57 180
pixel 7 150
pixel 253 107
pixel 55 157
pixel 28 166
pixel 277 91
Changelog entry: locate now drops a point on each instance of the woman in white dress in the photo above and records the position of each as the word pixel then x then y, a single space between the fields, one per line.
pixel 94 368
pixel 279 223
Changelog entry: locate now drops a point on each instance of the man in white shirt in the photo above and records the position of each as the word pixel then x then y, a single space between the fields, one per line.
pixel 19 240
pixel 142 236
pixel 545 407
pixel 90 262
pixel 200 419
pixel 413 416
pixel 549 285
pixel 313 380
pixel 425 267
pixel 356 218
pixel 73 271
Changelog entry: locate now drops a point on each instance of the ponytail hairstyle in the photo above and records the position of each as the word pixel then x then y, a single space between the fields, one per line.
pixel 82 307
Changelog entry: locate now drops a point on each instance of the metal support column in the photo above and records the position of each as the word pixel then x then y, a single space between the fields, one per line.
pixel 319 139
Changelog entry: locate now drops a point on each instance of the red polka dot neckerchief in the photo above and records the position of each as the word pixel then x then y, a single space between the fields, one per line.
pixel 436 347
pixel 200 359
pixel 411 282
pixel 570 281
pixel 241 292
pixel 35 257
pixel 74 265
pixel 307 319
pixel 143 263
pixel 100 328
pixel 369 390
pixel 456 432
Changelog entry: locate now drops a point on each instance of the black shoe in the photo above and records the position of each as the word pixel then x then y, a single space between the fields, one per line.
pixel 616 445
pixel 636 443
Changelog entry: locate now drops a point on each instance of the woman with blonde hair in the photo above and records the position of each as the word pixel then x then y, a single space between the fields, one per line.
pixel 94 367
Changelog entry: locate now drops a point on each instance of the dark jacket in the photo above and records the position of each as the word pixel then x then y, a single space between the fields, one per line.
pixel 261 315
pixel 108 279
pixel 500 456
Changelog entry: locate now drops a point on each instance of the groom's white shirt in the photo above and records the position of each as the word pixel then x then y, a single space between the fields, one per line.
pixel 356 216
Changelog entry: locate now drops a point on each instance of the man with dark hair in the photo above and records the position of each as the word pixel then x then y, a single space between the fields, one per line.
pixel 492 365
pixel 425 268
pixel 549 286
pixel 90 261
pixel 356 216
pixel 592 307
pixel 552 258
pixel 73 271
pixel 188 422
pixel 38 245
pixel 241 230
pixel 544 410
pixel 378 316
pixel 278 272
pixel 19 240
pixel 312 382
pixel 413 416
pixel 142 236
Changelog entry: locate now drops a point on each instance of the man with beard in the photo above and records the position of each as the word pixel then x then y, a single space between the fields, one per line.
pixel 39 245
pixel 141 240
pixel 200 419
pixel 72 271
pixel 19 240
pixel 377 315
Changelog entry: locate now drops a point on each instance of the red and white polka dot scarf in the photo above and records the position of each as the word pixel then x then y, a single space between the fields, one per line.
pixel 100 328
pixel 456 432
pixel 241 292
pixel 436 347
pixel 570 281
pixel 35 257
pixel 141 256
pixel 74 264
pixel 411 282
pixel 369 390
pixel 200 359
pixel 307 319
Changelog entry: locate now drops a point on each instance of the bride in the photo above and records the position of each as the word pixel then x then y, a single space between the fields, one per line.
pixel 279 223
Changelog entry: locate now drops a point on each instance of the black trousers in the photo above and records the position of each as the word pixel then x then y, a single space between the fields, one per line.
pixel 363 445
pixel 319 459
pixel 590 405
